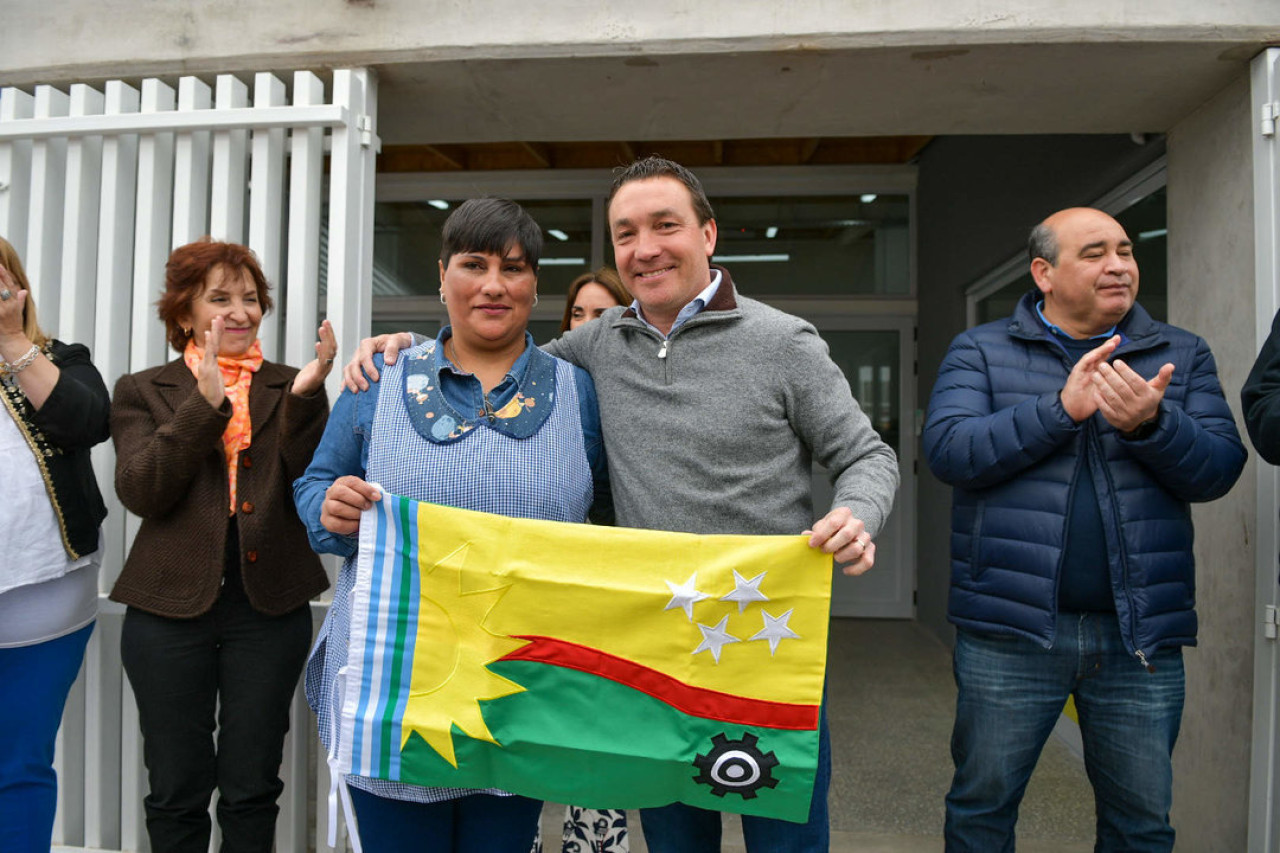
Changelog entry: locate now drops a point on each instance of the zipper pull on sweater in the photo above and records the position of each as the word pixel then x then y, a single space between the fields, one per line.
pixel 662 350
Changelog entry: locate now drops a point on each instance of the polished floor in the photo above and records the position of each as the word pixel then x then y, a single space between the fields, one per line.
pixel 891 704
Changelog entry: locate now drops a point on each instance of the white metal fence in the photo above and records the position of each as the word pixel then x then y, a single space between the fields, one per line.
pixel 97 185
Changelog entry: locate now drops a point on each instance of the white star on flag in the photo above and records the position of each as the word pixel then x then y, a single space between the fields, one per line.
pixel 775 630
pixel 714 638
pixel 745 591
pixel 685 595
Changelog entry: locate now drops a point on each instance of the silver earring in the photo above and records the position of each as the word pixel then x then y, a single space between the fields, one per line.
pixel 535 300
pixel 442 297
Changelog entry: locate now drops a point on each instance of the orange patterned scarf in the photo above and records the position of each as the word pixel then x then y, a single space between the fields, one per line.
pixel 237 373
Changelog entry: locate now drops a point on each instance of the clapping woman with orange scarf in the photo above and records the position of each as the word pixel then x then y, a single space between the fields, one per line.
pixel 220 573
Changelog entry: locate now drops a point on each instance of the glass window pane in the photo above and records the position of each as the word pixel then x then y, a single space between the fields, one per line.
pixel 406 244
pixel 816 245
pixel 869 360
pixel 1147 224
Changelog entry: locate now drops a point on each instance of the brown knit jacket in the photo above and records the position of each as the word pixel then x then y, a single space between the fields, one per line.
pixel 171 471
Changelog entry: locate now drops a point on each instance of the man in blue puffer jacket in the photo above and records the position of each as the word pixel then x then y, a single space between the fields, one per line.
pixel 1075 434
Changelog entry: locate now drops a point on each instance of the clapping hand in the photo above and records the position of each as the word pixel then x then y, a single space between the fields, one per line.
pixel 312 375
pixel 209 377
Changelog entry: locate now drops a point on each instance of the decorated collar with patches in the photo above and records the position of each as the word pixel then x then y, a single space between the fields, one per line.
pixel 436 420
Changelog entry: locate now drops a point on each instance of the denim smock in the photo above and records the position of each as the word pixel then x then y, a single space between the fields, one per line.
pixel 526 467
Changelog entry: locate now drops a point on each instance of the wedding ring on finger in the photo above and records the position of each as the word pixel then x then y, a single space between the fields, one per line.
pixel 6 295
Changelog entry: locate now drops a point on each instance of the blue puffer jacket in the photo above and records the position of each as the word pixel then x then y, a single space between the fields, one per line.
pixel 997 432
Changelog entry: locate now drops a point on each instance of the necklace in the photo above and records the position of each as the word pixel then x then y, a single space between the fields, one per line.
pixel 488 410
pixel 454 358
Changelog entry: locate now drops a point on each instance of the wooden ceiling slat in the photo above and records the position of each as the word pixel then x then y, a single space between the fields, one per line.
pixel 693 153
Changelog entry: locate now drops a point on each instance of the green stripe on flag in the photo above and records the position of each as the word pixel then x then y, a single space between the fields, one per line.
pixel 577 738
pixel 403 611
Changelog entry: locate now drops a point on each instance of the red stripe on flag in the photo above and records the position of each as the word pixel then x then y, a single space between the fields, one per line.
pixel 695 701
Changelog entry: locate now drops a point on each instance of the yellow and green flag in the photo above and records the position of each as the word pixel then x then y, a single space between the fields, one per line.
pixel 605 667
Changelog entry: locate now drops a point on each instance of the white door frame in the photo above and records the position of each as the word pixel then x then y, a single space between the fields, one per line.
pixel 1264 786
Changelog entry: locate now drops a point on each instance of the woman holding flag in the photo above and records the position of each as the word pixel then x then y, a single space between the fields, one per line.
pixel 478 418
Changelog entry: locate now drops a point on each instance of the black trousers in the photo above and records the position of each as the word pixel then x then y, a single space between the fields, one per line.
pixel 241 663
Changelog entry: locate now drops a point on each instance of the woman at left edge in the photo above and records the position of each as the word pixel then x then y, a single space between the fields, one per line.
pixel 218 580
pixel 55 409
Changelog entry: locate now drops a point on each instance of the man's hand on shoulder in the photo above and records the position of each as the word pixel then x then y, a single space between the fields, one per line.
pixel 846 539
pixel 353 374
pixel 1079 394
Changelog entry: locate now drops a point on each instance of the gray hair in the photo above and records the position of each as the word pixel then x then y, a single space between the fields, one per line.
pixel 1043 243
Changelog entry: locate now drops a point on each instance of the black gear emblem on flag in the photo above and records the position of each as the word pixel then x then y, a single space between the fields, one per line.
pixel 736 767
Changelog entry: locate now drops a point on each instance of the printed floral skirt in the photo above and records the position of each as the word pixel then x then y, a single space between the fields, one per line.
pixel 590 831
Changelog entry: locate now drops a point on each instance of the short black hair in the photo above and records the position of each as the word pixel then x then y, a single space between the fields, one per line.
pixel 491 226
pixel 1043 243
pixel 655 166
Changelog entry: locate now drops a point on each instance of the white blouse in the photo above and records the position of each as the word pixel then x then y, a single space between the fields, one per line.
pixel 31 554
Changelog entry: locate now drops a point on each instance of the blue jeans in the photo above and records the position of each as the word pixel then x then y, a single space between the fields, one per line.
pixel 36 679
pixel 1011 692
pixel 678 828
pixel 479 823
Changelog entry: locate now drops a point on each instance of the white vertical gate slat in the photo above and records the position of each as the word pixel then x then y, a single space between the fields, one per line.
pixel 191 166
pixel 151 238
pixel 74 322
pixel 80 224
pixel 306 187
pixel 103 676
pixel 347 187
pixel 15 171
pixel 114 301
pixel 367 87
pixel 266 195
pixel 99 214
pixel 226 217
pixel 48 176
pixel 68 763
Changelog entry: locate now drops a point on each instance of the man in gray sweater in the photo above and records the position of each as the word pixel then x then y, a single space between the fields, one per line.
pixel 713 408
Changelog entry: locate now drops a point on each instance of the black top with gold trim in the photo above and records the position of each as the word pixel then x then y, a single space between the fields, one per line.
pixel 74 418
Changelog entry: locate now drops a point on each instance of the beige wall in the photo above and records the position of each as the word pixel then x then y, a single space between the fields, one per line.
pixel 1211 292
pixel 580 70
pixel 90 33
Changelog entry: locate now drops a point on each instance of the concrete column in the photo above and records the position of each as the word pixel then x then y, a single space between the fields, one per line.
pixel 1211 292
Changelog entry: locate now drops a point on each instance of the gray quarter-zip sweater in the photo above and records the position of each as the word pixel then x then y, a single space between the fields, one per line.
pixel 715 429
